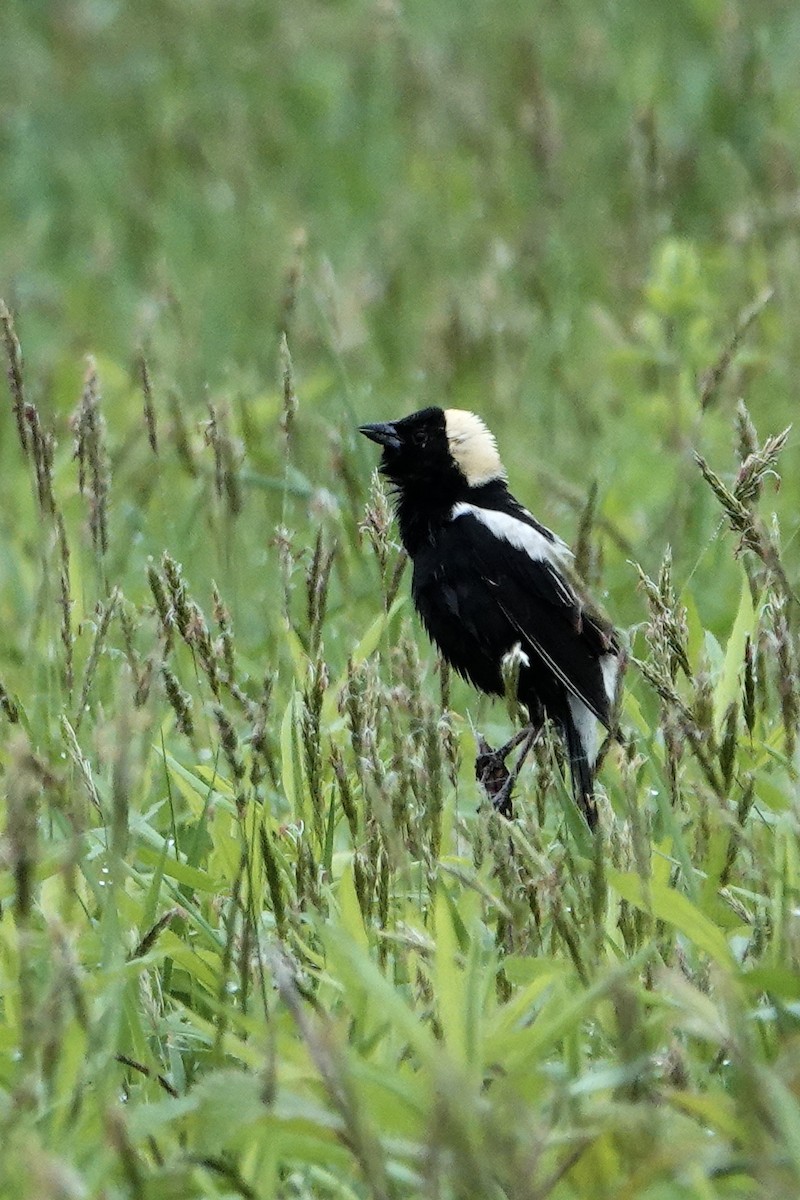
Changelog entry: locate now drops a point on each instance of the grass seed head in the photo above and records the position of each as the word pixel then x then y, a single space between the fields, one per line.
pixel 180 700
pixel 227 457
pixel 180 435
pixel 749 686
pixel 8 705
pixel 65 605
pixel 274 878
pixel 23 786
pixel 179 610
pixel 290 402
pixel 148 408
pixel 346 798
pixel 14 372
pixel 787 676
pixel 42 446
pixel 226 649
pixel 317 586
pixel 230 743
pixel 94 479
pixel 104 614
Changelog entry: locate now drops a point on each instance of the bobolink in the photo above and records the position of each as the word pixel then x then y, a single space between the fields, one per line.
pixel 488 577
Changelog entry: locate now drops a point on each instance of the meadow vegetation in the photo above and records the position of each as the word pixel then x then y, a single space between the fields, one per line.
pixel 260 934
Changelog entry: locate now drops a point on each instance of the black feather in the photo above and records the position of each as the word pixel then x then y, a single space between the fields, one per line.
pixel 582 773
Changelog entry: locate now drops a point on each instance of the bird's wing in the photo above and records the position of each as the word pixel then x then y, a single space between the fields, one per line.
pixel 503 589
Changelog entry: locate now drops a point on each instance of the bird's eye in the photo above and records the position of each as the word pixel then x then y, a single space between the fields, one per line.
pixel 420 438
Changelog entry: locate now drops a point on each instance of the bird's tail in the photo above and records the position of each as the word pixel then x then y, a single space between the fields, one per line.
pixel 582 772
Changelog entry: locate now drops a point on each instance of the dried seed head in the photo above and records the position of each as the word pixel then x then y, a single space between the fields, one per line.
pixel 290 404
pixel 222 617
pixel 147 401
pixel 90 450
pixel 65 605
pixel 179 610
pixel 377 520
pixel 317 583
pixel 346 798
pixel 230 743
pixel 81 762
pixel 23 785
pixel 728 746
pixel 42 447
pixel 8 706
pixel 180 701
pixel 162 604
pixel 788 683
pixel 738 504
pixel 667 632
pixel 393 584
pixel 227 457
pixel 738 514
pixel 749 686
pixel 746 435
pixel 758 464
pixel 274 878
pixel 180 434
pixel 14 372
pixel 703 706
pixel 104 614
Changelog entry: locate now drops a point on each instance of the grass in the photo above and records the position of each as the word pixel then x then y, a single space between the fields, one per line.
pixel 259 936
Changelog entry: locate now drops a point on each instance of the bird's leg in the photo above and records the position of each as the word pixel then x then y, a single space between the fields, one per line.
pixel 492 773
pixel 513 742
pixel 502 800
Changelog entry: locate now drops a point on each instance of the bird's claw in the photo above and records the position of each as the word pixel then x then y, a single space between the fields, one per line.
pixel 492 773
pixel 494 776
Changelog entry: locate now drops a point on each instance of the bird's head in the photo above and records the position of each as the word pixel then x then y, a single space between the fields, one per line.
pixel 439 448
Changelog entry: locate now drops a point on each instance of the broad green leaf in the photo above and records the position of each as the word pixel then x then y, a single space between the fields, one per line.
pixel 348 960
pixel 715 1111
pixel 371 639
pixel 350 909
pixel 449 981
pixel 676 910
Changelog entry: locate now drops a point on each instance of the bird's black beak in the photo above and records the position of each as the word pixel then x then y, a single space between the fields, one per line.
pixel 384 434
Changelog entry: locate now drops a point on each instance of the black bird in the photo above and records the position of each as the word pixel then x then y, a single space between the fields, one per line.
pixel 488 577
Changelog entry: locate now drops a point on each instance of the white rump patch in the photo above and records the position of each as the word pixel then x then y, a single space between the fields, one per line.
pixel 587 726
pixel 521 535
pixel 610 665
pixel 473 447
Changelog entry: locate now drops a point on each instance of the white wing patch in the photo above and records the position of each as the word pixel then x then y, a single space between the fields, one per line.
pixel 555 554
pixel 520 535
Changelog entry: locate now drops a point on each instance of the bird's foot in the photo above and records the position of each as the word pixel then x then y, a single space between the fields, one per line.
pixel 492 773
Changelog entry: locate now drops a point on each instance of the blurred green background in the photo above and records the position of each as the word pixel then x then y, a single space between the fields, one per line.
pixel 550 212
pixel 485 188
